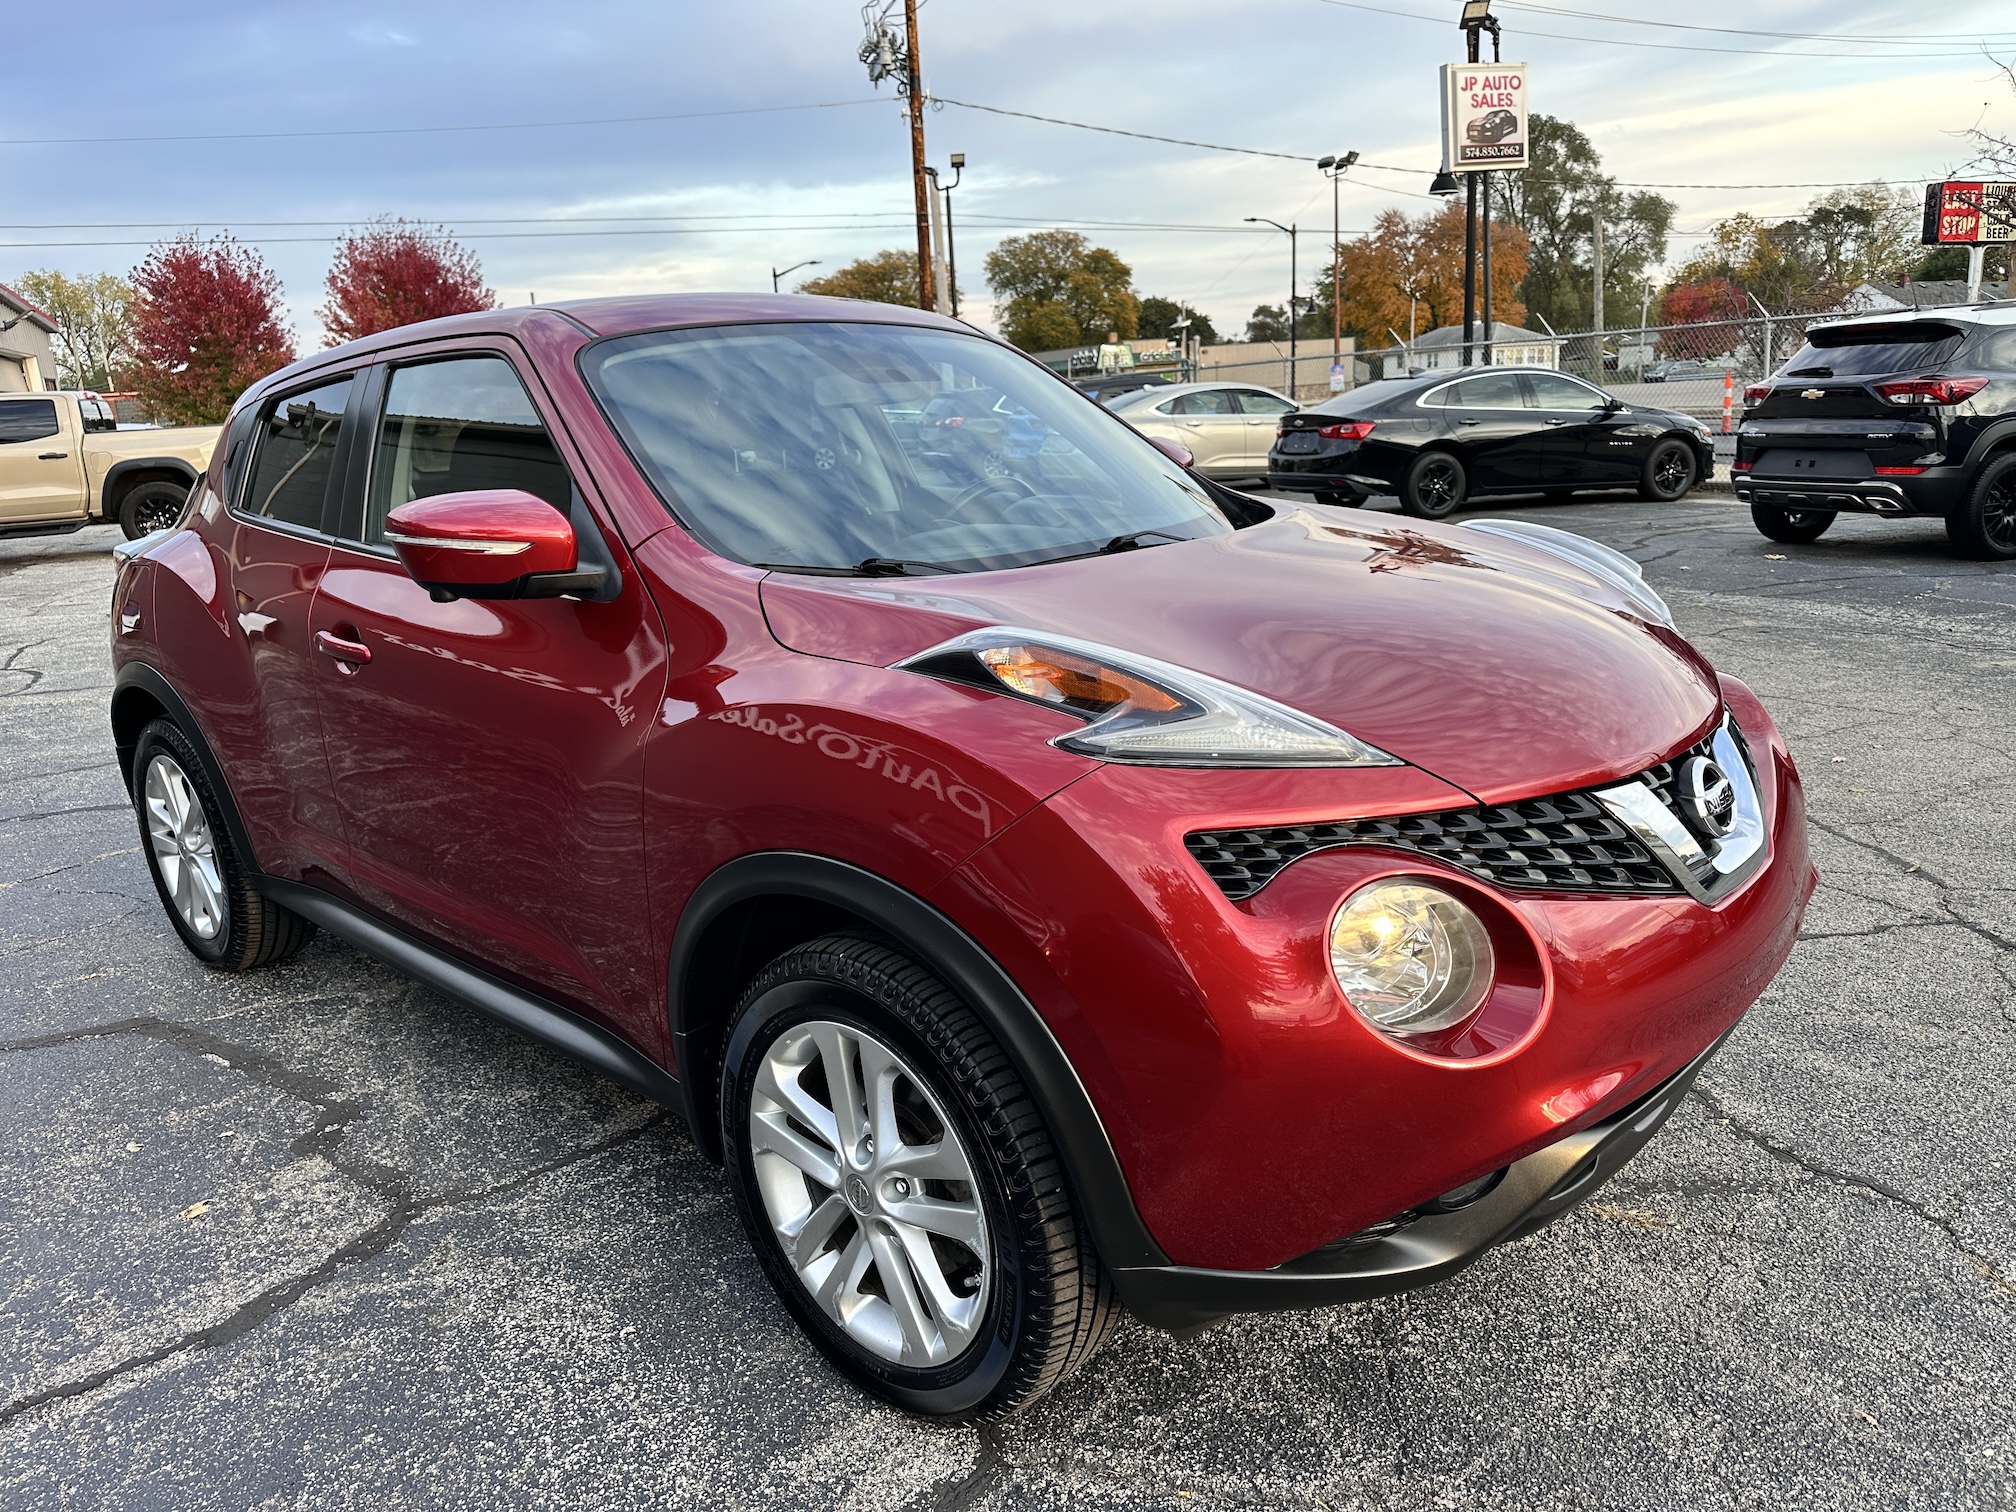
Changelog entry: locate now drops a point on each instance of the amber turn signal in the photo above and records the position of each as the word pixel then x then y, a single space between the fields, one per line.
pixel 1073 682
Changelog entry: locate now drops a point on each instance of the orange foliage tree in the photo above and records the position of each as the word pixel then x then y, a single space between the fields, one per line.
pixel 1419 262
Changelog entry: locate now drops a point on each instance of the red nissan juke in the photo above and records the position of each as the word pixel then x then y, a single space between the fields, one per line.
pixel 1049 881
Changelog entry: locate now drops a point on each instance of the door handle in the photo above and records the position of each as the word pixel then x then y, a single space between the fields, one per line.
pixel 50 456
pixel 1467 422
pixel 348 654
pixel 1557 422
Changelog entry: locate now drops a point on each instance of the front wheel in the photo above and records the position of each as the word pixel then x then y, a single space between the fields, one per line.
pixel 900 1187
pixel 1434 486
pixel 1670 471
pixel 149 507
pixel 1985 526
pixel 1794 526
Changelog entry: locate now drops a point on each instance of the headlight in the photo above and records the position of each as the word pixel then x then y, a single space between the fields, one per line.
pixel 1142 710
pixel 1615 568
pixel 1409 957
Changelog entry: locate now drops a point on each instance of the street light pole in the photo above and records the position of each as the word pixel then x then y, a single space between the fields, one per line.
pixel 777 275
pixel 1293 280
pixel 951 258
pixel 1334 168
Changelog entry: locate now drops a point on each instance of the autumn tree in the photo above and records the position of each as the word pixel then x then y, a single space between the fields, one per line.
pixel 1408 268
pixel 94 325
pixel 206 324
pixel 886 278
pixel 392 273
pixel 1055 289
pixel 1557 202
pixel 1809 262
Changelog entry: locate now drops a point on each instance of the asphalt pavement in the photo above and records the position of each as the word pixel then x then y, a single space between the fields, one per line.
pixel 316 1237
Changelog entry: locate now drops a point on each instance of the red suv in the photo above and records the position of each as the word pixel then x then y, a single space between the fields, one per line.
pixel 1049 881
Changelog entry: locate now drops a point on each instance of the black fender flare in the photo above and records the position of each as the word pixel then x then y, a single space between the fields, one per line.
pixel 140 677
pixel 130 465
pixel 1994 438
pixel 941 945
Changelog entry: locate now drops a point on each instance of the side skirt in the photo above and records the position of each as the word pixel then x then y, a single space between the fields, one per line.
pixel 532 1016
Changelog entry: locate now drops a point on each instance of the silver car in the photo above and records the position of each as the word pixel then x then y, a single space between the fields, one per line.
pixel 1228 427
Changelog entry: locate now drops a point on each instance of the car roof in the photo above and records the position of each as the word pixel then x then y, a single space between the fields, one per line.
pixel 1986 312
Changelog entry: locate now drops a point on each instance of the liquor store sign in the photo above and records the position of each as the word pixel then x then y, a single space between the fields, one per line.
pixel 1484 117
pixel 1969 213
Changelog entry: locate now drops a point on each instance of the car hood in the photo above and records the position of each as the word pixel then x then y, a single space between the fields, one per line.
pixel 1495 666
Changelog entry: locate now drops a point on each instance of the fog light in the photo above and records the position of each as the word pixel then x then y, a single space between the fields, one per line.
pixel 1410 958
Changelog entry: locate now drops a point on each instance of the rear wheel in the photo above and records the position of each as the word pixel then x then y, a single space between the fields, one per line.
pixel 1985 526
pixel 1670 471
pixel 204 883
pixel 900 1188
pixel 1795 526
pixel 1434 486
pixel 149 507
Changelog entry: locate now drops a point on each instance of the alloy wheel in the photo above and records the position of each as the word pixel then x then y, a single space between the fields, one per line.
pixel 1672 472
pixel 184 848
pixel 870 1193
pixel 157 513
pixel 1998 512
pixel 1437 487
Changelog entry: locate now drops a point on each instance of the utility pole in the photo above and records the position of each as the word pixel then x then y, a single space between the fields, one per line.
pixel 927 294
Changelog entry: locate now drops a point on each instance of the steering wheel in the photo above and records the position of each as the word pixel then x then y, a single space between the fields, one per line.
pixel 1021 493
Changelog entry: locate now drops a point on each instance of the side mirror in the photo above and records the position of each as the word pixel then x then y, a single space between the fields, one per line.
pixel 1612 405
pixel 1175 451
pixel 498 543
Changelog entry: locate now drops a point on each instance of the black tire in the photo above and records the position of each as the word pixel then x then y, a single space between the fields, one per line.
pixel 246 929
pixel 1671 471
pixel 1048 1305
pixel 1435 486
pixel 1559 495
pixel 149 507
pixel 1340 499
pixel 1793 526
pixel 1985 526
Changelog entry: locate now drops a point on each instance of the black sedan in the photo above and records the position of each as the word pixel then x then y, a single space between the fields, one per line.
pixel 1440 438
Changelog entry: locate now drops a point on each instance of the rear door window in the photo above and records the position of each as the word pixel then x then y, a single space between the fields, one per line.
pixel 1897 346
pixel 1203 402
pixel 459 426
pixel 27 420
pixel 1254 402
pixel 1490 391
pixel 295 467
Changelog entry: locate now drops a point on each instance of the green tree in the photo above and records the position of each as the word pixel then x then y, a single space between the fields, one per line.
pixel 1055 289
pixel 94 317
pixel 1267 323
pixel 1556 202
pixel 886 278
pixel 1159 316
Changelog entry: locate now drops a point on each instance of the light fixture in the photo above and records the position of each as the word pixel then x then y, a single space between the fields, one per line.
pixel 1445 185
pixel 1476 13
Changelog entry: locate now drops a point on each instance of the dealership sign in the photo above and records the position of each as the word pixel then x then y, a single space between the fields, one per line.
pixel 1969 213
pixel 1483 116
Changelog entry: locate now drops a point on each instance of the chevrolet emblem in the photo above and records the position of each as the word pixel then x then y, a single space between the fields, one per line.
pixel 1813 394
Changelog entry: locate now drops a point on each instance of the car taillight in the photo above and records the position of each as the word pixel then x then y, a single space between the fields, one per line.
pixel 1931 390
pixel 1350 430
pixel 1741 466
pixel 1757 393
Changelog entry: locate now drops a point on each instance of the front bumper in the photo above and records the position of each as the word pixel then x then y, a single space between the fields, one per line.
pixel 1531 1194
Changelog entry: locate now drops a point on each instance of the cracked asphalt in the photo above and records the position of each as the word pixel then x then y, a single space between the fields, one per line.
pixel 317 1237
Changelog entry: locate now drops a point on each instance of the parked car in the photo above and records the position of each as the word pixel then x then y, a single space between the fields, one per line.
pixel 1445 437
pixel 1107 387
pixel 65 464
pixel 1492 127
pixel 1678 370
pixel 1906 414
pixel 1200 906
pixel 1227 427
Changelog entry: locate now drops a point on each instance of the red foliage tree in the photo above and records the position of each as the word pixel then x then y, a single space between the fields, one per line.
pixel 392 273
pixel 206 325
pixel 1711 299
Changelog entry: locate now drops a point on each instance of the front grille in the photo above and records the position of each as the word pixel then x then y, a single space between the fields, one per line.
pixel 1566 843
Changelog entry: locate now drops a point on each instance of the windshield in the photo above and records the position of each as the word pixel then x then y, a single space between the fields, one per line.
pixel 883 448
pixel 1910 346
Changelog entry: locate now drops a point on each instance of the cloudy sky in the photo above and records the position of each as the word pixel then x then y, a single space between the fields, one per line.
pixel 695 166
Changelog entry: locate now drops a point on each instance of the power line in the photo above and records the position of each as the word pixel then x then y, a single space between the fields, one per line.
pixel 364 131
pixel 1889 39
pixel 1751 52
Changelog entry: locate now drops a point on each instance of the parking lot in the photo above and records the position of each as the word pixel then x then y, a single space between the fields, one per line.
pixel 316 1237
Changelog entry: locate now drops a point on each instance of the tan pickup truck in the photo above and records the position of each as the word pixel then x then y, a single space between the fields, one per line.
pixel 65 464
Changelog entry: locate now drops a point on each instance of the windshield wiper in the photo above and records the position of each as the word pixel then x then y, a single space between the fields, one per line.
pixel 1811 373
pixel 867 567
pixel 1131 541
